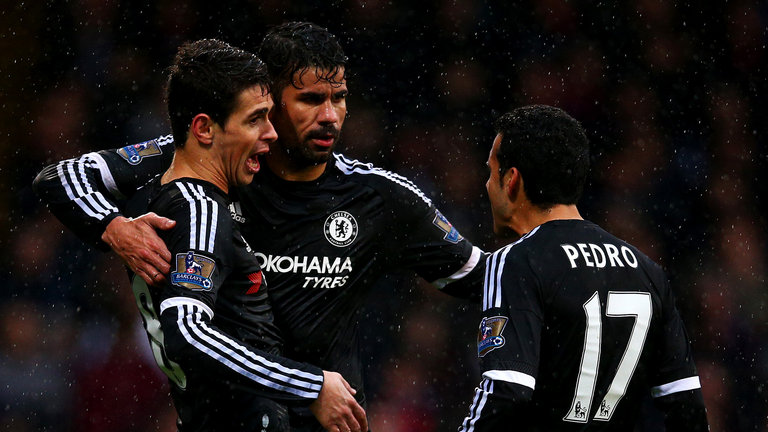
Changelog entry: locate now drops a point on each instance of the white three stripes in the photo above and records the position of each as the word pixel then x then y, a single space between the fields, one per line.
pixel 350 166
pixel 494 269
pixel 478 403
pixel 238 358
pixel 202 225
pixel 78 188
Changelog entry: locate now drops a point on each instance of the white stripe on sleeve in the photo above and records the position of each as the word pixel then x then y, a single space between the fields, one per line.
pixel 489 290
pixel 238 358
pixel 192 215
pixel 496 301
pixel 102 204
pixel 510 376
pixel 214 219
pixel 494 270
pixel 71 194
pixel 106 174
pixel 463 271
pixel 680 385
pixel 179 301
pixel 478 403
pixel 351 166
pixel 209 214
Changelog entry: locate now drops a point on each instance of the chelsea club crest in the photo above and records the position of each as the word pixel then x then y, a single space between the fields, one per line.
pixel 340 229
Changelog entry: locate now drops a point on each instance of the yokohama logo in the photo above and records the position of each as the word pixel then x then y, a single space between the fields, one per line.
pixel 303 264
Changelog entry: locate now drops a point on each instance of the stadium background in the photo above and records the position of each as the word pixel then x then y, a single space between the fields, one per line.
pixel 672 97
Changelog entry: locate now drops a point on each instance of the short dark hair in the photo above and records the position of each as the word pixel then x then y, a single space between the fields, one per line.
pixel 549 148
pixel 207 76
pixel 297 47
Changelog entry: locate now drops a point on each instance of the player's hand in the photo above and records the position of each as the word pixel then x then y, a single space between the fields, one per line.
pixel 336 409
pixel 136 242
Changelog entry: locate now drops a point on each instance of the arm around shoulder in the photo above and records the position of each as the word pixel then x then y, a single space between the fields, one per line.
pixel 137 243
pixel 72 192
pixel 84 192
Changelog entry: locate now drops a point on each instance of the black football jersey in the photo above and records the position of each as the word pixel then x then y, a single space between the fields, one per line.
pixel 324 243
pixel 211 327
pixel 321 244
pixel 578 328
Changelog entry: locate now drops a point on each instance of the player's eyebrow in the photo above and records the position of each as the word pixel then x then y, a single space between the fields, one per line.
pixel 313 95
pixel 259 111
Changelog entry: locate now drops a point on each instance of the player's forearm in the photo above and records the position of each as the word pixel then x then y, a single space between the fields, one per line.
pixel 201 348
pixel 83 192
pixel 467 282
pixel 72 192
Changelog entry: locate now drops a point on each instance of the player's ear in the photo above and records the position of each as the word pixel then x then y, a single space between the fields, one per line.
pixel 202 128
pixel 512 181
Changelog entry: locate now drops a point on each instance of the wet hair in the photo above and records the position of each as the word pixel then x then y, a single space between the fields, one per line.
pixel 300 47
pixel 207 76
pixel 549 148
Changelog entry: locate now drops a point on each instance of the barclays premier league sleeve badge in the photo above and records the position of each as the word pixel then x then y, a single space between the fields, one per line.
pixel 136 152
pixel 451 234
pixel 193 272
pixel 489 335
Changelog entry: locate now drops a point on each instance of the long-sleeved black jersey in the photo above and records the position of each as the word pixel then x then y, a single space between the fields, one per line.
pixel 578 328
pixel 322 244
pixel 211 327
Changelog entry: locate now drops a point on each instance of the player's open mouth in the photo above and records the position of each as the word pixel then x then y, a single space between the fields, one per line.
pixel 252 164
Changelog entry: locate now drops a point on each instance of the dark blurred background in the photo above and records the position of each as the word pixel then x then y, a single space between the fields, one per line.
pixel 673 97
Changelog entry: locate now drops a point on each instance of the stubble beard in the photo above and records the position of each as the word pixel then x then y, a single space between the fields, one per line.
pixel 302 155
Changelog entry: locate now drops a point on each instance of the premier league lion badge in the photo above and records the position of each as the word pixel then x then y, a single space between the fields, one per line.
pixel 193 271
pixel 489 335
pixel 136 152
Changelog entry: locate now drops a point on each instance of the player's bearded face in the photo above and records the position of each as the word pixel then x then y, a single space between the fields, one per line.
pixel 309 117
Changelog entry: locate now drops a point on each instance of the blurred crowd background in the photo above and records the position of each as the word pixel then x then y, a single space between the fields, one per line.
pixel 672 95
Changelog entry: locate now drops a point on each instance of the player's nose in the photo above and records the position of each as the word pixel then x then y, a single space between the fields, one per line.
pixel 327 114
pixel 269 135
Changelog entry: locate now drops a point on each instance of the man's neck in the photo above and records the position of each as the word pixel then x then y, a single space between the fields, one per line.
pixel 525 221
pixel 281 165
pixel 196 163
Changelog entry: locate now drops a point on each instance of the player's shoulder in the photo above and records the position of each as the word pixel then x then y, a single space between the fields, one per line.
pixel 134 154
pixel 199 199
pixel 516 251
pixel 202 214
pixel 385 182
pixel 540 247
